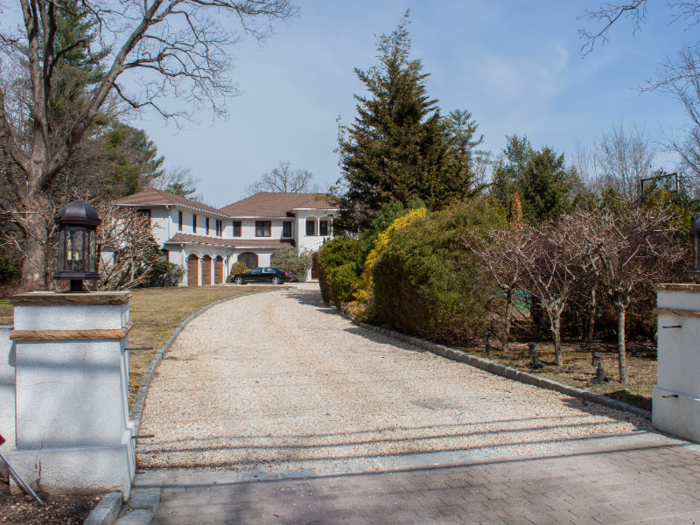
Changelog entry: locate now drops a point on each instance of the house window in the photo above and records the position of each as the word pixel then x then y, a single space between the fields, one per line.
pixel 166 255
pixel 179 221
pixel 145 212
pixel 206 223
pixel 236 228
pixel 323 228
pixel 262 228
pixel 194 223
pixel 310 227
pixel 250 260
pixel 287 229
pixel 219 225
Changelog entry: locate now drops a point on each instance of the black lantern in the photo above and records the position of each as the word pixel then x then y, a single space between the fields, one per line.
pixel 696 247
pixel 77 244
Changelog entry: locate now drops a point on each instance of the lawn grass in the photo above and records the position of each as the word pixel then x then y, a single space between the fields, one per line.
pixel 6 312
pixel 156 312
pixel 577 370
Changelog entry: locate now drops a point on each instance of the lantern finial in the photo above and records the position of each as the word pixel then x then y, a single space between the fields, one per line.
pixel 77 244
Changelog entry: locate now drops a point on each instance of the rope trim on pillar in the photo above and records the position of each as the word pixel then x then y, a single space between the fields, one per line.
pixel 677 313
pixel 68 335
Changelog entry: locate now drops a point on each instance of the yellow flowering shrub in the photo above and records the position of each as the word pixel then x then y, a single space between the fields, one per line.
pixel 363 306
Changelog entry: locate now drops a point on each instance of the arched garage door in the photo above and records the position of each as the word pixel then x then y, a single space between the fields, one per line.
pixel 193 270
pixel 219 270
pixel 206 271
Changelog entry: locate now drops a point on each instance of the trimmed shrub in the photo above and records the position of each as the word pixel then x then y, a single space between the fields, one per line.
pixel 343 279
pixel 294 261
pixel 363 309
pixel 236 268
pixel 164 273
pixel 337 252
pixel 427 283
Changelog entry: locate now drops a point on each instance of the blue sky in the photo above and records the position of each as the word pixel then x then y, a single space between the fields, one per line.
pixel 515 65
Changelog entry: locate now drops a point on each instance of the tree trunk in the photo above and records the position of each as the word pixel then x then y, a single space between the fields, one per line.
pixel 621 342
pixel 509 315
pixel 591 319
pixel 556 335
pixel 34 256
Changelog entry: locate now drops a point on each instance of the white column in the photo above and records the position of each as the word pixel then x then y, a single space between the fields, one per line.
pixel 7 395
pixel 71 379
pixel 676 398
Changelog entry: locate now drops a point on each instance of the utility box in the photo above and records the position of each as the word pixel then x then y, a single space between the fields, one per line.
pixel 676 398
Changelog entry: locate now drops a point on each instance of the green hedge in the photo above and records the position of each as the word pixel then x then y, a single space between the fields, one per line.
pixel 236 268
pixel 427 283
pixel 334 254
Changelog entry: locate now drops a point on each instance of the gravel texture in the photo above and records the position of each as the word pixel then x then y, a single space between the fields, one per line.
pixel 279 379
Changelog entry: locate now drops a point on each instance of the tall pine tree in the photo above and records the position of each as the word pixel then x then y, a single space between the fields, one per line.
pixel 399 146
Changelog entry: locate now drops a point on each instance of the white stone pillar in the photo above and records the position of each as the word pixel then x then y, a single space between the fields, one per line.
pixel 7 395
pixel 676 398
pixel 71 380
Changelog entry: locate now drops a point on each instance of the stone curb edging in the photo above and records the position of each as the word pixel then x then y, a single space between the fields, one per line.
pixel 136 412
pixel 106 511
pixel 510 373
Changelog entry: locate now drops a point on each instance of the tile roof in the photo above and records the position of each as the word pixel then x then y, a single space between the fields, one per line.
pixel 159 197
pixel 268 204
pixel 230 243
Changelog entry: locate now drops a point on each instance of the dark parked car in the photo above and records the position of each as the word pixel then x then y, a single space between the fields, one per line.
pixel 261 275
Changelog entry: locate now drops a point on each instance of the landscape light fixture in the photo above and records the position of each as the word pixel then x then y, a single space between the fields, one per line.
pixel 77 244
pixel 696 247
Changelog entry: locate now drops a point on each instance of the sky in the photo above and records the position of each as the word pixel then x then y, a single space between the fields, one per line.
pixel 514 65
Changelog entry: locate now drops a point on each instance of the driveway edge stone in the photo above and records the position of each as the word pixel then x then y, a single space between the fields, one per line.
pixel 498 369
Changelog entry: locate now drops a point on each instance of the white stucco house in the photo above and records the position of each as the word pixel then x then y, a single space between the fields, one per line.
pixel 207 241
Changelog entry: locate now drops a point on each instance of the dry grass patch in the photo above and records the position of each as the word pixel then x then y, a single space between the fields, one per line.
pixel 577 370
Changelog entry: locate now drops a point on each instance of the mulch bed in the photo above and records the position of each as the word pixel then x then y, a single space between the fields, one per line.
pixel 59 510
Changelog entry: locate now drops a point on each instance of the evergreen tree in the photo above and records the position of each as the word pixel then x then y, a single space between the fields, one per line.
pixel 399 146
pixel 508 173
pixel 546 187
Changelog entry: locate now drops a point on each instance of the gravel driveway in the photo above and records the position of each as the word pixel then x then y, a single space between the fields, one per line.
pixel 279 381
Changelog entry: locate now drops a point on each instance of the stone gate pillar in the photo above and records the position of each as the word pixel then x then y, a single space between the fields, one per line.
pixel 676 398
pixel 71 384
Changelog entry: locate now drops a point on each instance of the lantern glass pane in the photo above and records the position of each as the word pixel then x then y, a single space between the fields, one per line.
pixel 74 250
pixel 61 250
pixel 92 249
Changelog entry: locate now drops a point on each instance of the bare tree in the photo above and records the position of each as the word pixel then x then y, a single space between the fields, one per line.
pixel 127 247
pixel 624 158
pixel 284 180
pixel 633 245
pixel 555 265
pixel 165 48
pixel 502 252
pixel 180 181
